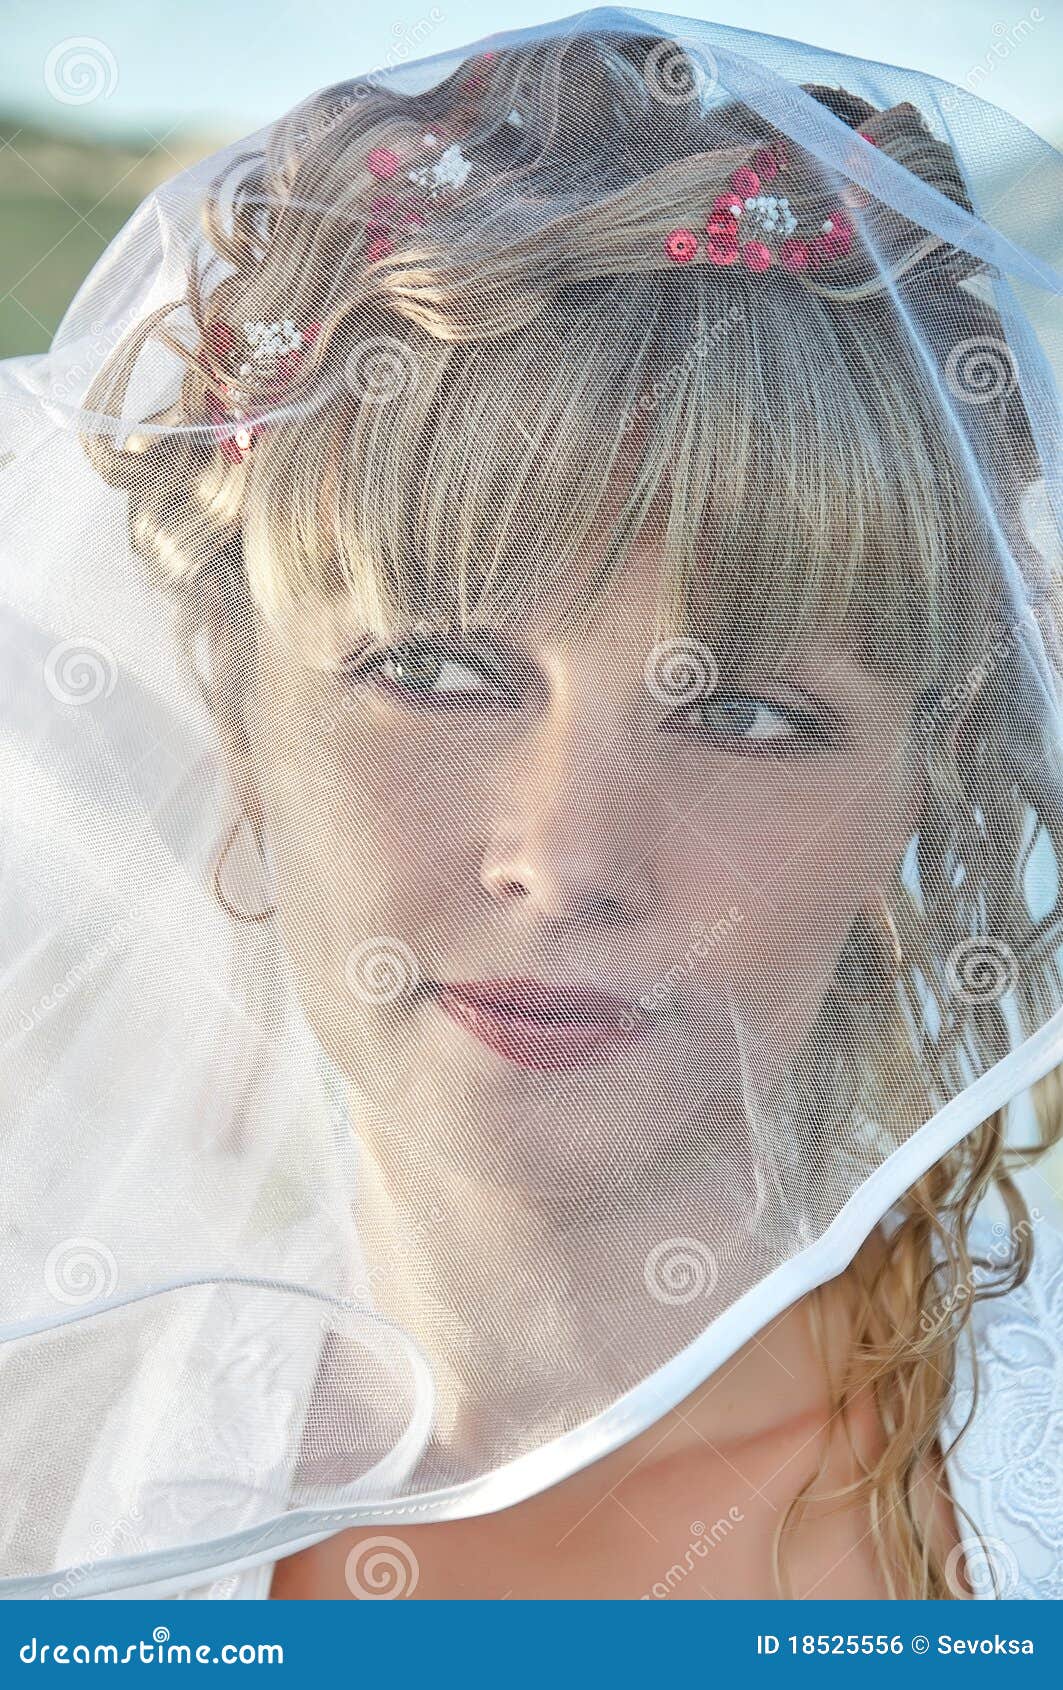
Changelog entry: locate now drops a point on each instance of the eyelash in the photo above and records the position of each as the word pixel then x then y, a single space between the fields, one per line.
pixel 810 731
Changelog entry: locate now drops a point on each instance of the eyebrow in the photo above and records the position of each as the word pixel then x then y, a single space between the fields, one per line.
pixel 797 668
pixel 795 673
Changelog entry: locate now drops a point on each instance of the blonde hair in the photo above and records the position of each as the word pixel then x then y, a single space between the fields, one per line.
pixel 539 340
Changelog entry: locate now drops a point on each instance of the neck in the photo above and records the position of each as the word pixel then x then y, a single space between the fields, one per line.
pixel 530 1327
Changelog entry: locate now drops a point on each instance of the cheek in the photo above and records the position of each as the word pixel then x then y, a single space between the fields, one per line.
pixel 365 834
pixel 777 873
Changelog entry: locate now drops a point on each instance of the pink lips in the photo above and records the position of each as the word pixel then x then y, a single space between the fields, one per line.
pixel 541 1026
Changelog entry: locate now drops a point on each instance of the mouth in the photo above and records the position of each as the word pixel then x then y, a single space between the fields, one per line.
pixel 540 1026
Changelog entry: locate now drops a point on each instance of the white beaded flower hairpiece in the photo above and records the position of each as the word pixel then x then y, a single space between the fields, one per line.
pixel 270 340
pixel 447 171
pixel 275 349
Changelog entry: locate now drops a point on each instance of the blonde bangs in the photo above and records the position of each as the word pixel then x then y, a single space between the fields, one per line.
pixel 794 480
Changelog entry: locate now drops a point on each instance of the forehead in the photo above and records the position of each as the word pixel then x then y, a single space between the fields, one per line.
pixel 636 610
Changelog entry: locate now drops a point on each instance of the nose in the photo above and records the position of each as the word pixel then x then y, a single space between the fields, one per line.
pixel 573 841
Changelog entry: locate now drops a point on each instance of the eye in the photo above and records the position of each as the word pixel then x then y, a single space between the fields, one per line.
pixel 433 670
pixel 746 721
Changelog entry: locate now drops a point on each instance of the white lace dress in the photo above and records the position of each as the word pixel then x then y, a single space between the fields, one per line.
pixel 1007 1470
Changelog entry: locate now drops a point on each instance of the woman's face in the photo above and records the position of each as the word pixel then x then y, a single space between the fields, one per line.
pixel 569 813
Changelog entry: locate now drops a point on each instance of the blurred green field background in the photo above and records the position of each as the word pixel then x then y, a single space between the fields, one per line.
pixel 62 199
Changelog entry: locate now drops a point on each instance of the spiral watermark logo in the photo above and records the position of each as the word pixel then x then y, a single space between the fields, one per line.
pixel 381 969
pixel 680 1270
pixel 80 671
pixel 980 369
pixel 80 70
pixel 381 1569
pixel 981 970
pixel 992 1568
pixel 80 1270
pixel 679 71
pixel 380 369
pixel 680 670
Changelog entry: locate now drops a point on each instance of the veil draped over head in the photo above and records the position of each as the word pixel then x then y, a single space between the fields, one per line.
pixel 531 767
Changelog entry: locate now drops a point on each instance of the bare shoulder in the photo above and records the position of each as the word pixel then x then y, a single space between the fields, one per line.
pixel 697 1525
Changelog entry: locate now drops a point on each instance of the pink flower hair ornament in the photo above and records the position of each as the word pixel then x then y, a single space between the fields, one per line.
pixel 758 230
pixel 281 345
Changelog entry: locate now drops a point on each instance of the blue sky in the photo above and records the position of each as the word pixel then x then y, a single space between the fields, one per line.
pixel 228 67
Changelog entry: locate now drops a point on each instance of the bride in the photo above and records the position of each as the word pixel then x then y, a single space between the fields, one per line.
pixel 571 735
